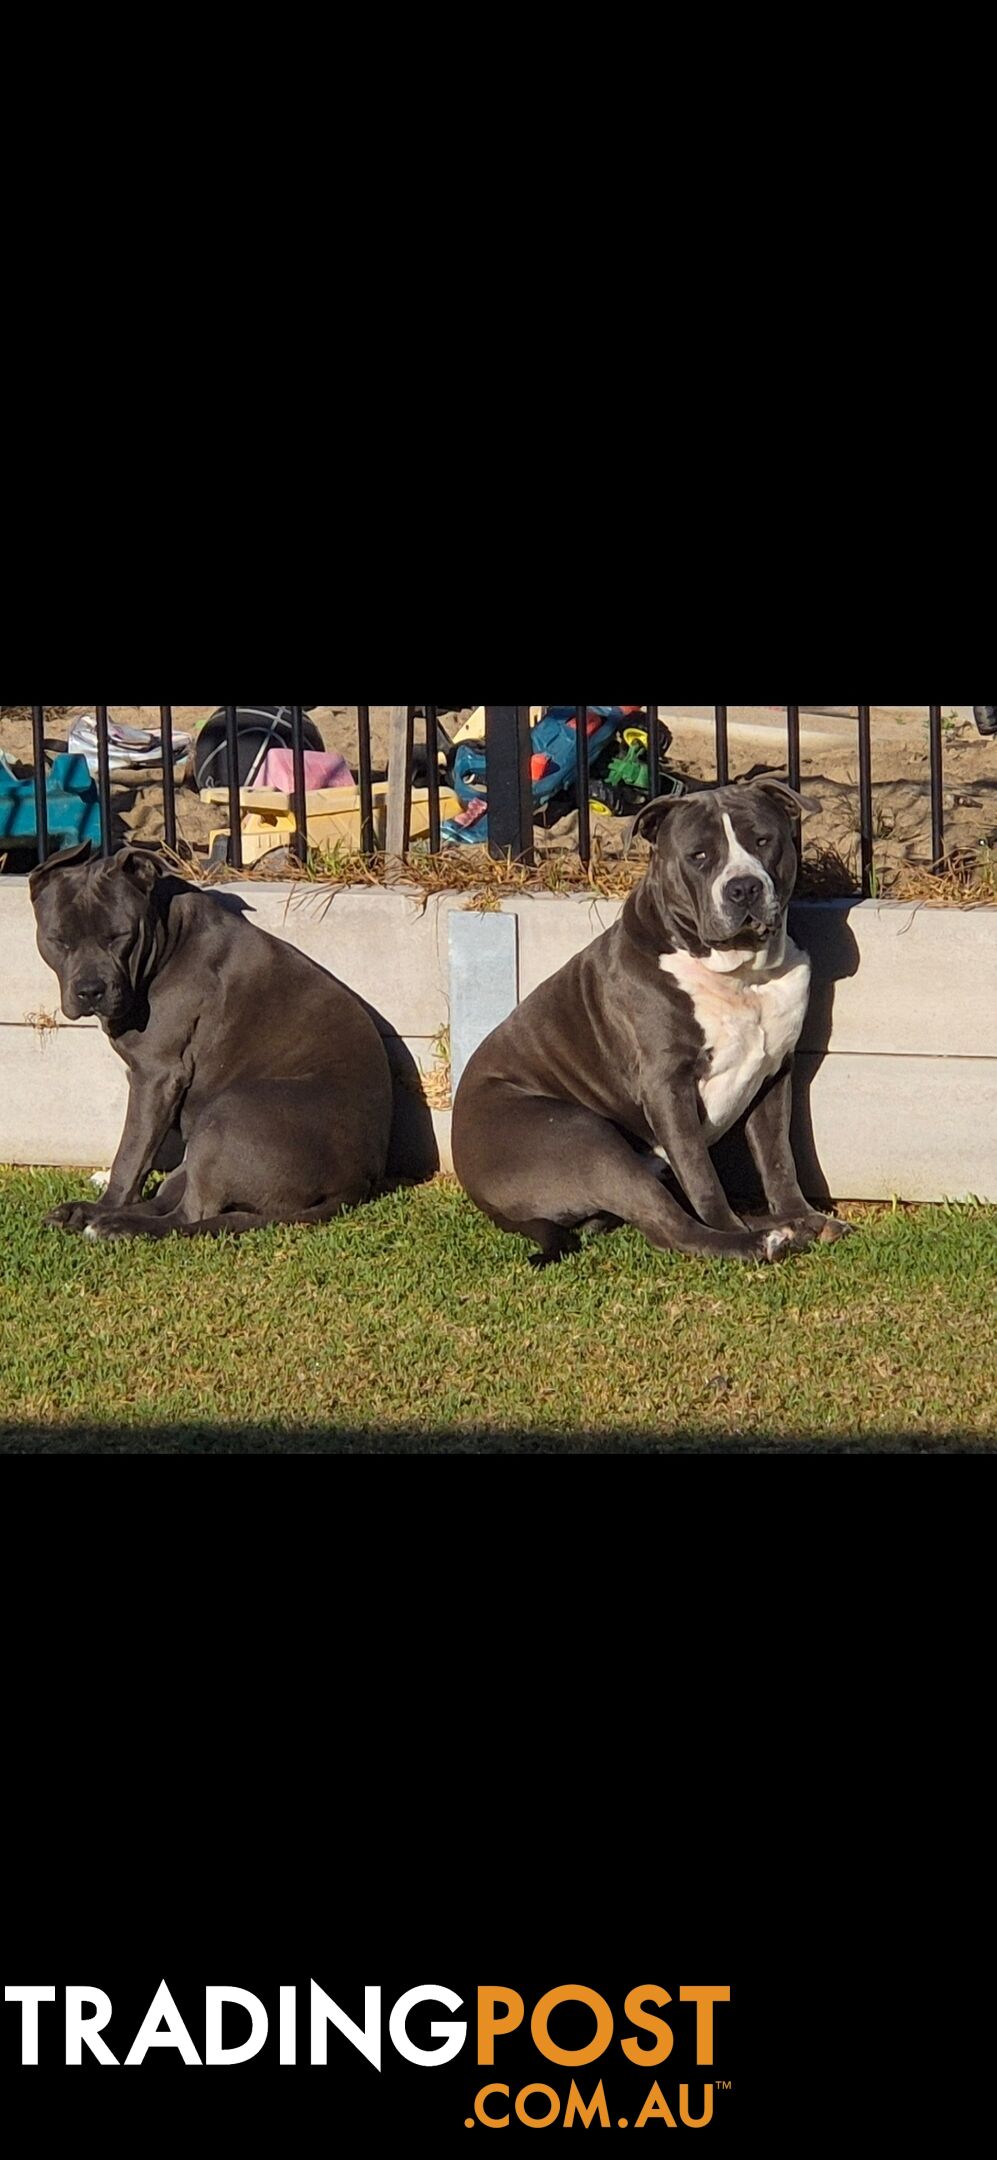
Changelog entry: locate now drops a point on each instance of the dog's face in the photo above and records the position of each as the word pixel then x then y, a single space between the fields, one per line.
pixel 725 862
pixel 94 922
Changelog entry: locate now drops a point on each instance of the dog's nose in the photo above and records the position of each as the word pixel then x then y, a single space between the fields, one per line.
pixel 89 995
pixel 743 892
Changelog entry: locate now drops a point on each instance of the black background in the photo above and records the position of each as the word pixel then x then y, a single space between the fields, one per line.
pixel 243 1753
pixel 519 1768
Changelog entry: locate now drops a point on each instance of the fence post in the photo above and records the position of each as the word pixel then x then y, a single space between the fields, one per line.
pixel 937 787
pixel 41 778
pixel 299 844
pixel 866 801
pixel 366 781
pixel 510 791
pixel 103 779
pixel 169 784
pixel 234 787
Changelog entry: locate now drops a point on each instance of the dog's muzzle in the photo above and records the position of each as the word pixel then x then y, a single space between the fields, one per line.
pixel 89 998
pixel 750 904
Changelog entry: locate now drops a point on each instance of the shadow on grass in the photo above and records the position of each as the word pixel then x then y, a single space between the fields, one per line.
pixel 199 1439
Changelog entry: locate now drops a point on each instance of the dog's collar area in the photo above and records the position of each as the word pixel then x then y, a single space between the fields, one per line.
pixel 751 933
pixel 757 957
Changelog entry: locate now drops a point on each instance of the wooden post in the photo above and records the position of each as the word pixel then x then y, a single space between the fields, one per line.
pixel 399 805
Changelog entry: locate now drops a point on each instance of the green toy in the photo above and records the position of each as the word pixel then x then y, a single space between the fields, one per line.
pixel 631 769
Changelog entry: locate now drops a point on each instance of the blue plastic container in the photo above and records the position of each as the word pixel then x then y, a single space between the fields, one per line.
pixel 72 801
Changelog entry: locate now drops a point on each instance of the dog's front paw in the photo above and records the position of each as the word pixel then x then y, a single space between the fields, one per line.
pixel 802 1230
pixel 783 1238
pixel 832 1228
pixel 106 1224
pixel 72 1215
pixel 818 1229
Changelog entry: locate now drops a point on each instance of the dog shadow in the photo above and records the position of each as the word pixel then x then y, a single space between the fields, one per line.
pixel 824 931
pixel 413 1152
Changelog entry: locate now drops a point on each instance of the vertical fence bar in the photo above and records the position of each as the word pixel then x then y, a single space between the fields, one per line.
pixel 433 776
pixel 865 798
pixel 169 790
pixel 653 751
pixel 103 779
pixel 584 809
pixel 508 750
pixel 366 771
pixel 41 797
pixel 723 747
pixel 300 843
pixel 793 744
pixel 937 783
pixel 234 802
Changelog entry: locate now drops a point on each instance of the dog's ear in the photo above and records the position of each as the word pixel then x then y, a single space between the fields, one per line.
pixel 137 864
pixel 61 861
pixel 649 817
pixel 794 801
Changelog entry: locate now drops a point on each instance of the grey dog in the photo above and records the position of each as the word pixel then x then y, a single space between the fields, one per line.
pixel 253 1071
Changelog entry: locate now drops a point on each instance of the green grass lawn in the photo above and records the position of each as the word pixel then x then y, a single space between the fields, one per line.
pixel 414 1325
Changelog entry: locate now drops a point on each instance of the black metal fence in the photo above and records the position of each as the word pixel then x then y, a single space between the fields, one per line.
pixel 510 807
pixel 510 823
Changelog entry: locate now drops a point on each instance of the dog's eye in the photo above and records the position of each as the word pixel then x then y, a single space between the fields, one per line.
pixel 701 855
pixel 764 839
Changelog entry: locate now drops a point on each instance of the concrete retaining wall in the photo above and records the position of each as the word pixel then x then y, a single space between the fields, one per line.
pixel 898 1072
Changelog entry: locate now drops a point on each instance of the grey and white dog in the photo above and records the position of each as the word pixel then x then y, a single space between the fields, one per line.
pixel 653 1042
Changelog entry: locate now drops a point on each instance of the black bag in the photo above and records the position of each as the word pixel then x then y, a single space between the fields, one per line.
pixel 260 728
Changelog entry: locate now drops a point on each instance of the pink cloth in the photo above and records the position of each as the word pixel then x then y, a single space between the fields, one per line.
pixel 323 768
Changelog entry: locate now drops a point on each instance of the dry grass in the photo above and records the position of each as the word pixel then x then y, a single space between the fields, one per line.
pixel 965 881
pixel 437 1084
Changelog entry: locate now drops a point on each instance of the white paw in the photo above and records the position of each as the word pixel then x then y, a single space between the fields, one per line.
pixel 100 1180
pixel 775 1240
pixel 90 1231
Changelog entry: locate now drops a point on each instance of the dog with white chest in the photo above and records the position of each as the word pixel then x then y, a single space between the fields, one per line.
pixel 654 1042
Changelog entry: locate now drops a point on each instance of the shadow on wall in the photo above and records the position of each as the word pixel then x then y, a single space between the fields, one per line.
pixel 827 935
pixel 413 1153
